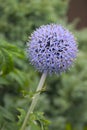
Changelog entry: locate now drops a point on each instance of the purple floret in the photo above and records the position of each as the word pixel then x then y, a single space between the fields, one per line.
pixel 52 49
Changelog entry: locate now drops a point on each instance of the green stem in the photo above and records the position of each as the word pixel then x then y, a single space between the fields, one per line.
pixel 34 101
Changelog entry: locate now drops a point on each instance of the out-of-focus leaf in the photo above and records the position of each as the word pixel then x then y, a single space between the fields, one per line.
pixel 12 49
pixel 7 53
pixel 7 62
pixel 20 77
pixel 3 81
pixel 6 114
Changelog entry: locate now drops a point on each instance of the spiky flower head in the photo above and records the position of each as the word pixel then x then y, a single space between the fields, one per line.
pixel 52 49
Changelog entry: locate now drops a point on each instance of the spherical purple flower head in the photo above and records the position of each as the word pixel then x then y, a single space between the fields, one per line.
pixel 52 49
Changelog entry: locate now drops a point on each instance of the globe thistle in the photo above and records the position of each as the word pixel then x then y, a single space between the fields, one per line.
pixel 52 49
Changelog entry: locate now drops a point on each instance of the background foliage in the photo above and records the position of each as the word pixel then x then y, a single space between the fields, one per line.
pixel 65 100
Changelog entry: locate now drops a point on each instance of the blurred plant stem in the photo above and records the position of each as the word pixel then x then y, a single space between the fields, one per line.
pixel 34 101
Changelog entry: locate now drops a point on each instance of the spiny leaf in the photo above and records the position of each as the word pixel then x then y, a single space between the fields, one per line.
pixel 8 52
pixel 21 116
pixel 39 119
pixel 7 62
pixel 12 49
pixel 20 77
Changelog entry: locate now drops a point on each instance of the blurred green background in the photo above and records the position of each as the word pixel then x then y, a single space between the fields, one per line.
pixel 65 101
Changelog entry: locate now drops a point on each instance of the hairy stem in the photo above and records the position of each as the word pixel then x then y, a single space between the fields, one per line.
pixel 34 101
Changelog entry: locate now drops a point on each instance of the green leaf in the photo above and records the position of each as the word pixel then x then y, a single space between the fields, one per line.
pixel 8 52
pixel 19 76
pixel 7 62
pixel 21 116
pixel 3 81
pixel 12 49
pixel 39 119
pixel 6 114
